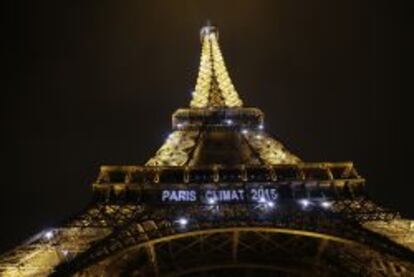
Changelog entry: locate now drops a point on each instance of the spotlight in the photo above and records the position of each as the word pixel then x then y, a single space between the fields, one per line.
pixel 48 235
pixel 211 201
pixel 245 131
pixel 326 204
pixel 182 221
pixel 260 127
pixel 258 136
pixel 229 121
pixel 262 200
pixel 270 204
pixel 305 203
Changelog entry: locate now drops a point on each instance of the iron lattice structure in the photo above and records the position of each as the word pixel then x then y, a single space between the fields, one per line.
pixel 222 197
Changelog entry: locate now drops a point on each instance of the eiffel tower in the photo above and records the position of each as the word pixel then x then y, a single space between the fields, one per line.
pixel 222 197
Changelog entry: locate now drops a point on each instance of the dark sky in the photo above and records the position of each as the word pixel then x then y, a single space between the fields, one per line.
pixel 95 82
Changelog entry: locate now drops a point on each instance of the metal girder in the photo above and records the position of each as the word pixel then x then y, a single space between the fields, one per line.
pixel 152 258
pixel 299 249
pixel 102 214
pixel 136 225
pixel 235 243
pixel 254 267
pixel 232 242
pixel 158 224
pixel 224 243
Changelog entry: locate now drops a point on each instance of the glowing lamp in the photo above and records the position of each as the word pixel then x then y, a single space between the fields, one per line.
pixel 326 204
pixel 229 121
pixel 182 221
pixel 48 235
pixel 305 203
pixel 211 201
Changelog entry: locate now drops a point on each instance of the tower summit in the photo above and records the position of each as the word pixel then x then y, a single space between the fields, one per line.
pixel 216 129
pixel 222 197
pixel 214 87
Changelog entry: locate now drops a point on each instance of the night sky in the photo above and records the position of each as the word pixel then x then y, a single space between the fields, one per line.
pixel 95 82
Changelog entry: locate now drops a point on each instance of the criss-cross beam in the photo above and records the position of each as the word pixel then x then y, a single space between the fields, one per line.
pixel 143 230
pixel 185 253
pixel 235 238
pixel 292 247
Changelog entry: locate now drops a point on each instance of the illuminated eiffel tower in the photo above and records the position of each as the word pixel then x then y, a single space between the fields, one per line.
pixel 222 197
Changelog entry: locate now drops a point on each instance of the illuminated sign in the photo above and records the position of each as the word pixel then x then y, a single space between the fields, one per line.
pixel 255 194
pixel 178 196
pixel 225 195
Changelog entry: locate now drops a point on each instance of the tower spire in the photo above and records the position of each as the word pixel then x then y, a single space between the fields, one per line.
pixel 214 87
pixel 207 29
